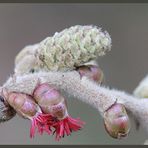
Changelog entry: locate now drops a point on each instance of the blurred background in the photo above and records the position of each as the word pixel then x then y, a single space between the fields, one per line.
pixel 124 66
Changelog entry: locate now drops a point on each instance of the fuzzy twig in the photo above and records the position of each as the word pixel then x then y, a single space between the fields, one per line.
pixel 84 89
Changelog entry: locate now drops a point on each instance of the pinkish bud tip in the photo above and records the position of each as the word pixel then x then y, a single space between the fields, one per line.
pixel 66 126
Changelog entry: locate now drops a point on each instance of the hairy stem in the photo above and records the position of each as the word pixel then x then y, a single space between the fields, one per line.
pixel 84 89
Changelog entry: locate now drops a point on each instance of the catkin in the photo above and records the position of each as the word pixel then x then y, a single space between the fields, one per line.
pixel 65 50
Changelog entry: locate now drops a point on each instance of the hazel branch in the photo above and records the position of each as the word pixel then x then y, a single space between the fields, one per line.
pixel 54 61
pixel 84 89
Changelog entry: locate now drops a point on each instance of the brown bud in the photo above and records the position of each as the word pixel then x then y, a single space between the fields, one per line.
pixel 6 111
pixel 93 72
pixel 116 121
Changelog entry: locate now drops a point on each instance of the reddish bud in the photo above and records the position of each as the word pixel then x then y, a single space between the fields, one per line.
pixel 93 72
pixel 116 121
pixel 52 102
pixel 47 95
pixel 27 108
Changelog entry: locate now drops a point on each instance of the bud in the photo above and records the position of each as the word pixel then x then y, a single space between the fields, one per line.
pixel 93 72
pixel 6 111
pixel 47 95
pixel 53 102
pixel 26 107
pixel 116 121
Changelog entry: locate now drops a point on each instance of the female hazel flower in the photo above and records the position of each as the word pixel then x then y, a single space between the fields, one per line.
pixel 27 108
pixel 52 102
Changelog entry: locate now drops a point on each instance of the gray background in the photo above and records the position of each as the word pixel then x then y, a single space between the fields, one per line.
pixel 124 66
